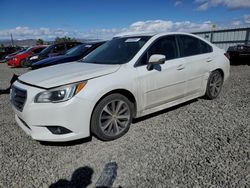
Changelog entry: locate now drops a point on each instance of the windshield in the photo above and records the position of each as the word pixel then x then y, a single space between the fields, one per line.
pixel 78 50
pixel 117 51
pixel 22 50
pixel 25 50
pixel 47 50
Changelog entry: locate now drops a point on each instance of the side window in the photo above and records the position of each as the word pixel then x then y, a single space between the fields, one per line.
pixel 165 46
pixel 71 45
pixel 189 45
pixel 205 48
pixel 192 46
pixel 58 48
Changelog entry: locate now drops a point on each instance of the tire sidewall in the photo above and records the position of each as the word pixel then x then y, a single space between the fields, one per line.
pixel 208 92
pixel 94 124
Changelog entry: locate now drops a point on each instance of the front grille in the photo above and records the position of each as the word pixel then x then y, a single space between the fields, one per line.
pixel 18 97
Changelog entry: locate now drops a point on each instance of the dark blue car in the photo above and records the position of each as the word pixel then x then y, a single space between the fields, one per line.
pixel 74 54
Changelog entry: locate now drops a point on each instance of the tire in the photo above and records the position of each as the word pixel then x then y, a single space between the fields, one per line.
pixel 112 117
pixel 23 63
pixel 214 85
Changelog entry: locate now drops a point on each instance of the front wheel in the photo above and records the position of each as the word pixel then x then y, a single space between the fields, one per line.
pixel 23 63
pixel 214 85
pixel 112 117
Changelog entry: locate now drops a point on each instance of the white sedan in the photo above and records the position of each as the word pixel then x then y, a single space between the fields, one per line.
pixel 125 78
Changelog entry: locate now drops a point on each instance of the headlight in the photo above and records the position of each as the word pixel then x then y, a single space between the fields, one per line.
pixel 60 94
pixel 34 57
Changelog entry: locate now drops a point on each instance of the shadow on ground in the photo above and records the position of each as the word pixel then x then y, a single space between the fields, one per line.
pixel 5 91
pixel 81 177
pixel 69 143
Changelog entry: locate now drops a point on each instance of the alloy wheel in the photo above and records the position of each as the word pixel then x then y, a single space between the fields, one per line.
pixel 215 84
pixel 114 118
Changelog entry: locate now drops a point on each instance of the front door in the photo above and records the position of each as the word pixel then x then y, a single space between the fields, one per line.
pixel 166 82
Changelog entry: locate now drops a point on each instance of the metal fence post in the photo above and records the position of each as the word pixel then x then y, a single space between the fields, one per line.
pixel 247 36
pixel 211 36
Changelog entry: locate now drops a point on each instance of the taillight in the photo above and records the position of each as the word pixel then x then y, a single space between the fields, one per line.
pixel 227 55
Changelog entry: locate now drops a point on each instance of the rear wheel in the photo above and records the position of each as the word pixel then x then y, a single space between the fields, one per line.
pixel 112 117
pixel 214 84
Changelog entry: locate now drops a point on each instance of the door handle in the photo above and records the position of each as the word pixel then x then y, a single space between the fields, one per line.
pixel 180 67
pixel 209 59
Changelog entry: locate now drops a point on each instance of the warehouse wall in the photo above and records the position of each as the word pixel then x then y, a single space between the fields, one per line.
pixel 227 37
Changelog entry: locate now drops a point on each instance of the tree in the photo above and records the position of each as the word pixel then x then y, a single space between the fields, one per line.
pixel 64 39
pixel 39 42
pixel 1 45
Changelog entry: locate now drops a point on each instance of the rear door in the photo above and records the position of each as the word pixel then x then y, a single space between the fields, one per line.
pixel 198 56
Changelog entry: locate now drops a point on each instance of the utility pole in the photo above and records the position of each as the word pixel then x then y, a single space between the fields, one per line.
pixel 12 42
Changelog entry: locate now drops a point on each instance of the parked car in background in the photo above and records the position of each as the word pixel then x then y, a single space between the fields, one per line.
pixel 5 51
pixel 19 59
pixel 74 54
pixel 239 54
pixel 8 57
pixel 125 78
pixel 52 50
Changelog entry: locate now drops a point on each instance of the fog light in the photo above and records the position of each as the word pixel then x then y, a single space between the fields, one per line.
pixel 58 130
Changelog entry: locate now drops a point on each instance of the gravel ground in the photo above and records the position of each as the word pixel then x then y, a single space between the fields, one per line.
pixel 199 144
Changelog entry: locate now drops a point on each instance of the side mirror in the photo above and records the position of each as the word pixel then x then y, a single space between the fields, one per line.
pixel 155 59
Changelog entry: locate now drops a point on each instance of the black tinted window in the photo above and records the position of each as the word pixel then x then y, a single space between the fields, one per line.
pixel 38 50
pixel 164 46
pixel 205 48
pixel 192 46
pixel 58 48
pixel 71 45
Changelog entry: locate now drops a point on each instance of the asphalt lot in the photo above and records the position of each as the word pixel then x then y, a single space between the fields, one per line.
pixel 199 144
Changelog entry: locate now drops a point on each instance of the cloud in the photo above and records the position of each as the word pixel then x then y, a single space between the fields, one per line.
pixel 167 26
pixel 149 26
pixel 177 3
pixel 26 33
pixel 203 7
pixel 247 18
pixel 231 4
pixel 237 23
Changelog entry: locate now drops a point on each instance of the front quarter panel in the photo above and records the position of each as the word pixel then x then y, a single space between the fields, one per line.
pixel 96 88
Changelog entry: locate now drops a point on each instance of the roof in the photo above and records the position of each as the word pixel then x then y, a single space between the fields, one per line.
pixel 137 34
pixel 133 34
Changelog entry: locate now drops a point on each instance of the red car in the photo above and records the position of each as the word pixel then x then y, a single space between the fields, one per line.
pixel 19 59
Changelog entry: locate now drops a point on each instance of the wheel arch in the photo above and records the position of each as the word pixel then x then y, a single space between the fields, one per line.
pixel 129 95
pixel 221 71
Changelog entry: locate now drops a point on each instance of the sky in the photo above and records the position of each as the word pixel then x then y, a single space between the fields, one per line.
pixel 103 19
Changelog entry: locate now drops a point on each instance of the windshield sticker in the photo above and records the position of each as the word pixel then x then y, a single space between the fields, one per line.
pixel 88 46
pixel 133 40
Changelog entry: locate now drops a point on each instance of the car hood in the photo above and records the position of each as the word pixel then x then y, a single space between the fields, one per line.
pixel 58 75
pixel 50 60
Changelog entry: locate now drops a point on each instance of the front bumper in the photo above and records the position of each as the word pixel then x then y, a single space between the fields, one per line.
pixel 13 63
pixel 34 119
